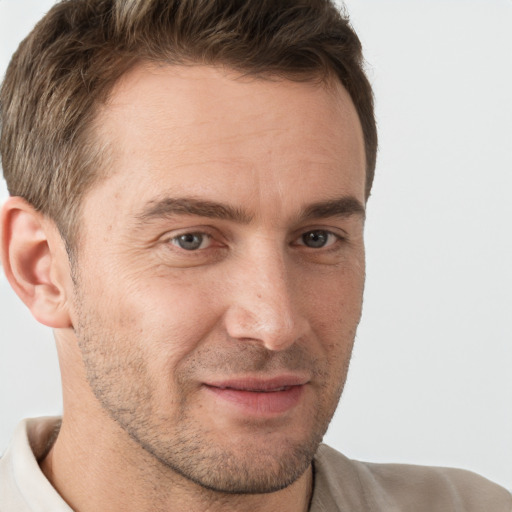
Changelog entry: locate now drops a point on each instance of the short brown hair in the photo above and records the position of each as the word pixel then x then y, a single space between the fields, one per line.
pixel 69 63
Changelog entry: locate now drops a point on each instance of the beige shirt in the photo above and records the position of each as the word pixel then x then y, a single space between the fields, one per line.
pixel 341 485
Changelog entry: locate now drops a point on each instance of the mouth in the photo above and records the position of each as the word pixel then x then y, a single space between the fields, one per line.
pixel 256 390
pixel 259 397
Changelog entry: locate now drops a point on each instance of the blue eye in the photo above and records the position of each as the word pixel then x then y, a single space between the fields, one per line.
pixel 317 239
pixel 191 241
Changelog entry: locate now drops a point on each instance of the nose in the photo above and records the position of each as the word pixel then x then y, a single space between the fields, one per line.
pixel 264 302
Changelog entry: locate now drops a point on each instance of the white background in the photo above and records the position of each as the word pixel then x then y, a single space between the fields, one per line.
pixel 431 377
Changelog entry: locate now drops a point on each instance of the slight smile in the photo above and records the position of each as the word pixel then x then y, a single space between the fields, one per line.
pixel 260 397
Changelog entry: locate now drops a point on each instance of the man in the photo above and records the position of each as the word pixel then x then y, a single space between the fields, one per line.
pixel 188 183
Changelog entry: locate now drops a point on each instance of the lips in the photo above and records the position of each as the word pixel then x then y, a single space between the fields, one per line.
pixel 257 390
pixel 259 397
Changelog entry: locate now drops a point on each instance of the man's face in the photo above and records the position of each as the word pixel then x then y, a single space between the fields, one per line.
pixel 220 272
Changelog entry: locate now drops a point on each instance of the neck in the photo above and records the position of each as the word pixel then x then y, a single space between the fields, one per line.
pixel 102 475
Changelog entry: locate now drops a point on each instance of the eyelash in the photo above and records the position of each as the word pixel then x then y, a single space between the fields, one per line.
pixel 205 237
pixel 332 239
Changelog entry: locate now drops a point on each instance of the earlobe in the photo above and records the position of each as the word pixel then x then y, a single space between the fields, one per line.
pixel 35 262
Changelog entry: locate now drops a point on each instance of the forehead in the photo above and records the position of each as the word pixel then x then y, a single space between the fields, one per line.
pixel 178 130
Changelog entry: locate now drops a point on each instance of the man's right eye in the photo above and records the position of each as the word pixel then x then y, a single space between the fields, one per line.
pixel 192 241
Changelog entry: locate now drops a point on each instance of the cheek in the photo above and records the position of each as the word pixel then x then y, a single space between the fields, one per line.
pixel 335 311
pixel 136 338
pixel 169 316
pixel 334 297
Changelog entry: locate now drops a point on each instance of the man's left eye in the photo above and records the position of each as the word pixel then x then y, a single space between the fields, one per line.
pixel 192 241
pixel 318 239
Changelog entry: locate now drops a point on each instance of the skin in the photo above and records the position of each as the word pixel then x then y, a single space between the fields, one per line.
pixel 147 330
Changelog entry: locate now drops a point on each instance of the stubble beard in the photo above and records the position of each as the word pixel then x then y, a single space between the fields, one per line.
pixel 122 384
pixel 251 464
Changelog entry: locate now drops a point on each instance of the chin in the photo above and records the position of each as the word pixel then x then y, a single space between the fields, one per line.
pixel 261 470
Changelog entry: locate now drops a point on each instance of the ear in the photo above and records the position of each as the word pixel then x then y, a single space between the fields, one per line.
pixel 35 262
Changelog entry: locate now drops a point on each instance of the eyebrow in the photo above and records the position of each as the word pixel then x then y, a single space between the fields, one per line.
pixel 170 206
pixel 341 207
pixel 167 207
